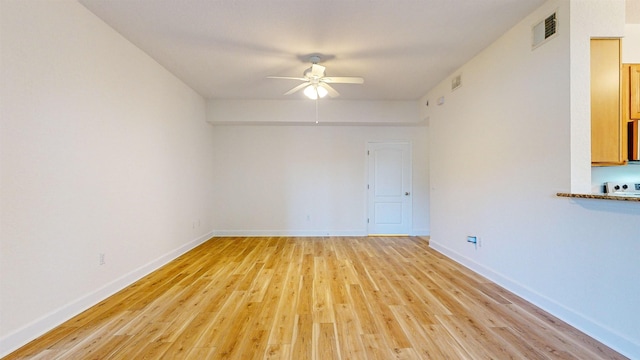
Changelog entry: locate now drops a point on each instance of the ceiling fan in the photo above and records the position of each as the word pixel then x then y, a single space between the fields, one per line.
pixel 316 83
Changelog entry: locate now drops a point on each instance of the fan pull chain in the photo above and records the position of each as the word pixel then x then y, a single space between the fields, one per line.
pixel 316 110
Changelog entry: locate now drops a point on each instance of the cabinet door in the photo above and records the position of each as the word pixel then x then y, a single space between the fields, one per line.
pixel 608 133
pixel 634 140
pixel 626 93
pixel 634 82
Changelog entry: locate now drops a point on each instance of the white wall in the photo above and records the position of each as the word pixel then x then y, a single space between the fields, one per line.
pixel 102 151
pixel 501 147
pixel 273 177
pixel 283 174
pixel 303 112
pixel 631 44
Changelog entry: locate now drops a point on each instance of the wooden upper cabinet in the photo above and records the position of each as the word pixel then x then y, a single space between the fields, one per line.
pixel 634 87
pixel 608 130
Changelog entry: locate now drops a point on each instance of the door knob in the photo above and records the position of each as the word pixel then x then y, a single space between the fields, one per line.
pixel 407 193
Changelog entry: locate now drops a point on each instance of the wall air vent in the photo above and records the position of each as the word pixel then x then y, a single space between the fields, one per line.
pixel 456 82
pixel 544 31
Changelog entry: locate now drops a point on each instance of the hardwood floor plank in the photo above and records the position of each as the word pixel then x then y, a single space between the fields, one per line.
pixel 362 310
pixel 74 338
pixel 524 348
pixel 470 337
pixel 186 341
pixel 236 333
pixel 133 348
pixel 322 299
pixel 249 277
pixel 446 342
pixel 305 296
pixel 285 317
pixel 314 298
pixel 223 288
pixel 47 355
pixel 154 350
pixel 221 321
pixel 277 352
pixel 257 338
pixel 348 333
pixel 325 345
pixel 255 344
pixel 169 331
pixel 260 285
pixel 303 337
pixel 339 281
pixel 106 349
pixel 100 343
pixel 375 347
pixel 43 343
pixel 386 293
pixel 200 353
pixel 423 344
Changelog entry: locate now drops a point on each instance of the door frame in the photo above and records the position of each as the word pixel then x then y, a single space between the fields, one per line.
pixel 367 204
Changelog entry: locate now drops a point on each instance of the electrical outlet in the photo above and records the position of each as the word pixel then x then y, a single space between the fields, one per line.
pixel 101 261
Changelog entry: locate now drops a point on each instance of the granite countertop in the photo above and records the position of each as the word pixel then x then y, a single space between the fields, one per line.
pixel 600 197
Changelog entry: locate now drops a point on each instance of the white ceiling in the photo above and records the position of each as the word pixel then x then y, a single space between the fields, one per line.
pixel 224 49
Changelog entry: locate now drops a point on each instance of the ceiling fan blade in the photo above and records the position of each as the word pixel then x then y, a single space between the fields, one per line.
pixel 297 88
pixel 287 78
pixel 331 91
pixel 317 70
pixel 343 80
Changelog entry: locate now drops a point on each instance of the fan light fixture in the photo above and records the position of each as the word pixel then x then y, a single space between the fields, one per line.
pixel 314 92
pixel 315 82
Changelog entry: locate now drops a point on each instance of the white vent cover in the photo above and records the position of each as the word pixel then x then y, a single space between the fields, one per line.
pixel 544 31
pixel 456 82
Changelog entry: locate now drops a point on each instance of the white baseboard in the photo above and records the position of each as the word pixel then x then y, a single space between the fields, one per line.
pixel 38 327
pixel 292 233
pixel 607 336
pixel 303 233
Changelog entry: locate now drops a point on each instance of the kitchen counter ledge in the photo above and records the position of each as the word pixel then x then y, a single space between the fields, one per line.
pixel 599 197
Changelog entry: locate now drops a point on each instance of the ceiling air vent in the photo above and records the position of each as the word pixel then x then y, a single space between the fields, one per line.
pixel 544 30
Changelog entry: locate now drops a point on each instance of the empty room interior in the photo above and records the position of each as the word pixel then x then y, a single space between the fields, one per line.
pixel 320 179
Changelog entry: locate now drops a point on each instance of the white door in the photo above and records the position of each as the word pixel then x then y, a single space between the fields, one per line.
pixel 389 188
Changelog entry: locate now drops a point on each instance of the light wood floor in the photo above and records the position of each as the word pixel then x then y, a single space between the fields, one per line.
pixel 314 298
